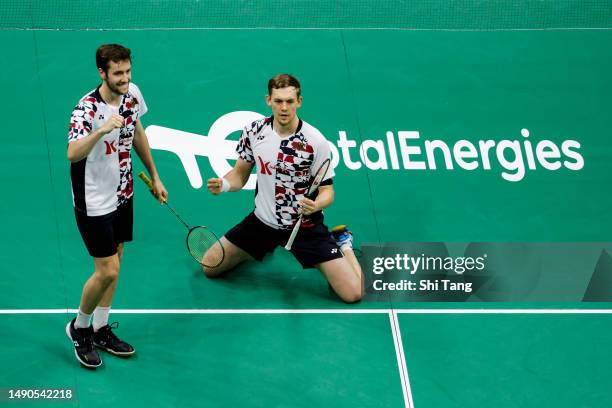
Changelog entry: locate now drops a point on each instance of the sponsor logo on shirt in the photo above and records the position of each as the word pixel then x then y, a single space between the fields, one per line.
pixel 111 147
pixel 265 166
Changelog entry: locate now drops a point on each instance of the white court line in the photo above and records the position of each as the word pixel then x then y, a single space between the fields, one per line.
pixel 401 359
pixel 319 311
pixel 504 311
pixel 204 311
pixel 311 29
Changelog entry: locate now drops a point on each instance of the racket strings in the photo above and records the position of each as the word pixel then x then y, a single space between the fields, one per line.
pixel 199 241
pixel 320 174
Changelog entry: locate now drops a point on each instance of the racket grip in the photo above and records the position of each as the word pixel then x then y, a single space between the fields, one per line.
pixel 146 180
pixel 294 232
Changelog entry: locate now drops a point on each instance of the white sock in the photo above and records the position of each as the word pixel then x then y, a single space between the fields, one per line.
pixel 82 320
pixel 345 246
pixel 100 318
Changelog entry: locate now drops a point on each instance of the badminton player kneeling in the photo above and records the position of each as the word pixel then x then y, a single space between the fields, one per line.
pixel 287 153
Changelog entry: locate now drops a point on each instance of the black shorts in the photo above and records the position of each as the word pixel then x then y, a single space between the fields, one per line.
pixel 102 234
pixel 311 246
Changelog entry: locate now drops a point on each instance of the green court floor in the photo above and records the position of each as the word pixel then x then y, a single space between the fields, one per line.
pixel 219 360
pixel 508 360
pixel 324 358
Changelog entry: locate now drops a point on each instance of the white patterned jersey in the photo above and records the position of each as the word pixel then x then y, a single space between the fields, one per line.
pixel 103 180
pixel 284 167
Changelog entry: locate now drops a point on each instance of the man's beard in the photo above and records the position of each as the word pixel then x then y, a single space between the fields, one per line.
pixel 115 89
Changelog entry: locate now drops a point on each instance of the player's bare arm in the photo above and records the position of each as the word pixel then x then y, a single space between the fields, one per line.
pixel 324 199
pixel 236 178
pixel 79 149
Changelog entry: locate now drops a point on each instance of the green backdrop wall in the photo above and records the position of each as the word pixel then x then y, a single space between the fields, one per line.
pixel 464 72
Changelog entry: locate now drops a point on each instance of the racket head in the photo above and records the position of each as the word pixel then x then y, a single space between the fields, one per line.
pixel 199 240
pixel 318 176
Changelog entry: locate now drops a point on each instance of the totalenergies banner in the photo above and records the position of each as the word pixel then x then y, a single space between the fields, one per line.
pixel 402 150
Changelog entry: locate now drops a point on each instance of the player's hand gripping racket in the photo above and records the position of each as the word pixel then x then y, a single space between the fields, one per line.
pixel 199 239
pixel 314 184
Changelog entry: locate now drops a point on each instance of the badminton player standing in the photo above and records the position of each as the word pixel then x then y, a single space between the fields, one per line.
pixel 103 127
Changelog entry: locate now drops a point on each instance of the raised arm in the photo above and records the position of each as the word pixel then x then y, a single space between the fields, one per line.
pixel 78 149
pixel 234 180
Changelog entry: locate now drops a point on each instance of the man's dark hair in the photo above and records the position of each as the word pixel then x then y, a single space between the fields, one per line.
pixel 284 81
pixel 111 52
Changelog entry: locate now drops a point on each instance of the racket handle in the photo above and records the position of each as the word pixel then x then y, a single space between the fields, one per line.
pixel 294 232
pixel 146 180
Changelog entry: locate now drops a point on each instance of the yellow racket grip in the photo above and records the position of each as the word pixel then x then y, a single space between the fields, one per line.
pixel 149 184
pixel 146 180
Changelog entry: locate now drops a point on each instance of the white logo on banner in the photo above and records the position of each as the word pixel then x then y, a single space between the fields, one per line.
pixel 215 146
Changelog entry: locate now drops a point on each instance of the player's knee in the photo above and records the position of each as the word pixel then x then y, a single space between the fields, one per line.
pixel 110 275
pixel 211 257
pixel 352 296
pixel 211 272
pixel 352 293
pixel 108 272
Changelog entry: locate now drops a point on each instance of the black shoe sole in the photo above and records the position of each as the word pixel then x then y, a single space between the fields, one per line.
pixel 115 353
pixel 85 365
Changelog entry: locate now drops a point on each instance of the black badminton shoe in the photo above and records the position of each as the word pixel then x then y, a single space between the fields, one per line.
pixel 84 350
pixel 105 339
